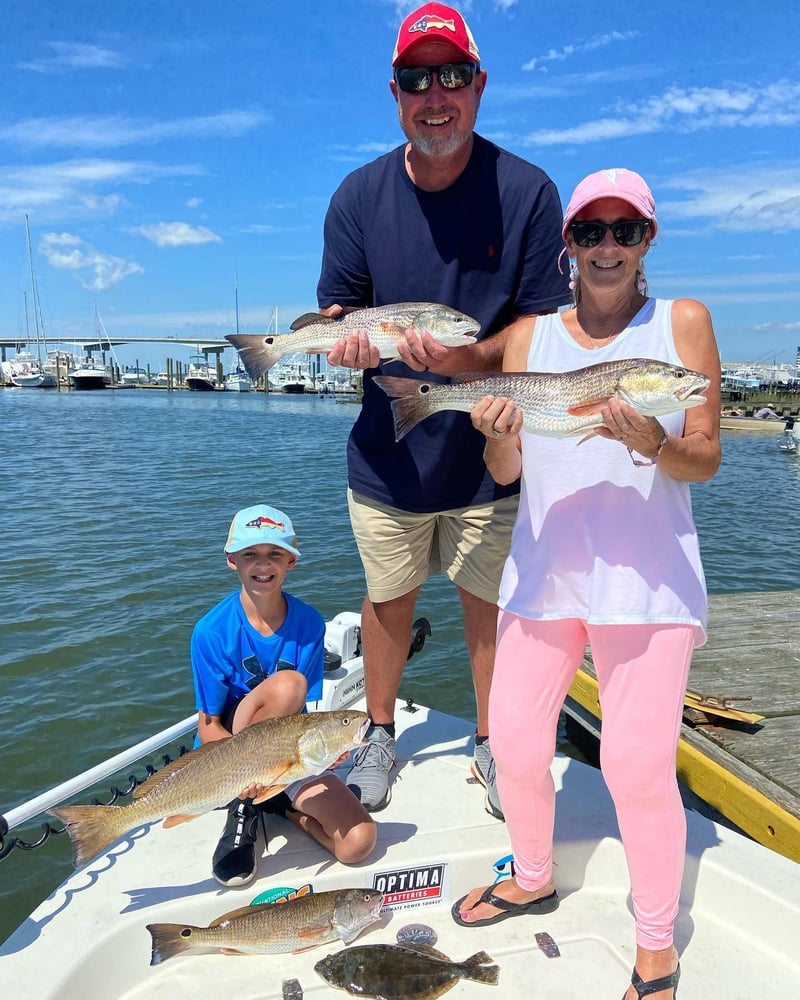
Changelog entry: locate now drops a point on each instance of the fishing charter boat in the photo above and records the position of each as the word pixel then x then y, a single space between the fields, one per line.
pixel 737 930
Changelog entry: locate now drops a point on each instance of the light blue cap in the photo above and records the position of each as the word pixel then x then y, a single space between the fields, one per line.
pixel 261 525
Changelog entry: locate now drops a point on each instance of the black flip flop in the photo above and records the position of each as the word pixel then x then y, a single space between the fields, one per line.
pixel 644 989
pixel 536 906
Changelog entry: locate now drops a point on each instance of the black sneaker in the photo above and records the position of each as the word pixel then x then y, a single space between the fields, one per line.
pixel 234 861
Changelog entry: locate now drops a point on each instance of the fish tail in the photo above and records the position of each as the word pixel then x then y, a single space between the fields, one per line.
pixel 481 968
pixel 256 354
pixel 169 940
pixel 409 406
pixel 91 829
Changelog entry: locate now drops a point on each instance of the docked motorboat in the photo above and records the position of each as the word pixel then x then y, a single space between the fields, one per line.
pixel 90 374
pixel 200 376
pixel 737 929
pixel 238 380
pixel 134 376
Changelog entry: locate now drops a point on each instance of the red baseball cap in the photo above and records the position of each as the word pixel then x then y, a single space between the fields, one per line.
pixel 435 20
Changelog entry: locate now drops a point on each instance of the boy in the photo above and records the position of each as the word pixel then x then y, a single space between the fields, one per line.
pixel 256 655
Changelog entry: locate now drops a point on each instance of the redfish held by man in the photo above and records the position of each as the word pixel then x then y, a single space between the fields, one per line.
pixel 554 404
pixel 295 925
pixel 272 753
pixel 385 326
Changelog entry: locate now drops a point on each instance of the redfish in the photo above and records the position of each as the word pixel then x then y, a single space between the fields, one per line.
pixel 554 404
pixel 385 326
pixel 272 753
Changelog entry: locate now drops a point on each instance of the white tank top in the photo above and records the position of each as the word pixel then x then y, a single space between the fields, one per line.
pixel 596 537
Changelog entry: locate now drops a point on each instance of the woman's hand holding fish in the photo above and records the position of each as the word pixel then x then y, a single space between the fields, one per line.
pixel 637 432
pixel 500 422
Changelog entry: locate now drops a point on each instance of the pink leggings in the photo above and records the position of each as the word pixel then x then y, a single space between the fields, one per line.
pixel 642 672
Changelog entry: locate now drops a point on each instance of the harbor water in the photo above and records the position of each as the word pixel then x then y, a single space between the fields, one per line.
pixel 115 507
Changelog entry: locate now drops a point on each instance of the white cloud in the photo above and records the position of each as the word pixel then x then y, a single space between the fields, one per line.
pixel 111 131
pixel 686 110
pixel 95 271
pixel 567 51
pixel 75 55
pixel 738 199
pixel 177 234
pixel 70 189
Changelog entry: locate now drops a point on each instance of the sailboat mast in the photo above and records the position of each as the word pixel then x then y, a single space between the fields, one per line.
pixel 37 310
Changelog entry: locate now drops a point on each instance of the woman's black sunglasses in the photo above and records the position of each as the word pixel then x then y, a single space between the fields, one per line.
pixel 452 76
pixel 627 232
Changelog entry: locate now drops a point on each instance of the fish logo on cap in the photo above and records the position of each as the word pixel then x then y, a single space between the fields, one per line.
pixel 426 22
pixel 265 522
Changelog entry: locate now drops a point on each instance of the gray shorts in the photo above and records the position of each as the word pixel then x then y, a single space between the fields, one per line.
pixel 400 549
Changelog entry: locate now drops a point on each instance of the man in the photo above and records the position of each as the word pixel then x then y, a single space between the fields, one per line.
pixel 451 218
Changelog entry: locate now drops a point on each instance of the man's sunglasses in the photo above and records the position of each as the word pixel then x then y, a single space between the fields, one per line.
pixel 627 233
pixel 452 76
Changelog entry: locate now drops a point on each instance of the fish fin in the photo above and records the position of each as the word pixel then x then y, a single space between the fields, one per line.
pixel 91 829
pixel 269 793
pixel 241 911
pixel 592 433
pixel 307 319
pixel 312 937
pixel 409 407
pixel 258 353
pixel 232 951
pixel 391 326
pixel 169 940
pixel 481 968
pixel 588 407
pixel 177 819
pixel 168 771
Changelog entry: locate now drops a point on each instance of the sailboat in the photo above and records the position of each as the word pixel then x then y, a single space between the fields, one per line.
pixel 237 379
pixel 26 370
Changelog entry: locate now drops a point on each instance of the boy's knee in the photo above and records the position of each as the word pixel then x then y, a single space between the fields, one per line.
pixel 357 843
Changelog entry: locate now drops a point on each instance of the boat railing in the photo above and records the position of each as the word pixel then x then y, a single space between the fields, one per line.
pixel 46 800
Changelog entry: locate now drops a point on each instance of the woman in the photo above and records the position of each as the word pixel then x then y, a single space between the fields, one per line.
pixel 629 582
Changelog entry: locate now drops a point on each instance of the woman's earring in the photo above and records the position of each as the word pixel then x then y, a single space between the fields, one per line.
pixel 573 275
pixel 641 279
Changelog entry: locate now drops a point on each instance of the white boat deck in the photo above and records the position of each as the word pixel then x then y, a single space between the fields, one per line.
pixel 737 931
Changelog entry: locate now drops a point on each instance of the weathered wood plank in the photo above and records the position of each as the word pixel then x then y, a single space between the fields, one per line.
pixel 750 773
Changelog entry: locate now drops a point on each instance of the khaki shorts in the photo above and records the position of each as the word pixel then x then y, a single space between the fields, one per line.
pixel 400 549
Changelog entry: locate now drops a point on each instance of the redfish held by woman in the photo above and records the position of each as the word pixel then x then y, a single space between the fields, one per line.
pixel 272 753
pixel 555 404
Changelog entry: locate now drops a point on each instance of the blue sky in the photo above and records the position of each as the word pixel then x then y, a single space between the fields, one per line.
pixel 164 150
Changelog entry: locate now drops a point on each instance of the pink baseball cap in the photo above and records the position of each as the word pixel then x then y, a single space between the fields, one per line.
pixel 437 21
pixel 614 183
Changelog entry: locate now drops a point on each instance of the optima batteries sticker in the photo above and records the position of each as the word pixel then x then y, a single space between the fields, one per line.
pixel 414 888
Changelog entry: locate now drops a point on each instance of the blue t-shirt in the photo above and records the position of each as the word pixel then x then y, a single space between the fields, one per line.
pixel 229 657
pixel 487 245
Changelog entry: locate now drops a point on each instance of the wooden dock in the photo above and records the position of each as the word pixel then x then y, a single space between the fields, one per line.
pixel 748 773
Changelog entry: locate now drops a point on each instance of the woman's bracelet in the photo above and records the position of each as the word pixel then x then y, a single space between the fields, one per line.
pixel 652 461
